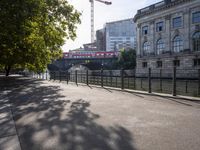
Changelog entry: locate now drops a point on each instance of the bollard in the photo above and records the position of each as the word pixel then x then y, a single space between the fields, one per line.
pixel 174 82
pixel 101 77
pixel 122 79
pixel 149 78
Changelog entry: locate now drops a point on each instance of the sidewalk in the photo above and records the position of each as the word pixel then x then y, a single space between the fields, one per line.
pixel 56 116
pixel 8 136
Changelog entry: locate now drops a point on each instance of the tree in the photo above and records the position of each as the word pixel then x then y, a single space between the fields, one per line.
pixel 33 31
pixel 127 59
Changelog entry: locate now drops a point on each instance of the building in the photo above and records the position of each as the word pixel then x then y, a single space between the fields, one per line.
pixel 101 40
pixel 90 46
pixel 120 35
pixel 168 34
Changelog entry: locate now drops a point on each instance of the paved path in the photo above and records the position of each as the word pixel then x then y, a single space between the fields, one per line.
pixel 56 116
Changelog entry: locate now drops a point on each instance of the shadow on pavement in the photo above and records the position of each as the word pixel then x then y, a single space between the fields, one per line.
pixel 46 119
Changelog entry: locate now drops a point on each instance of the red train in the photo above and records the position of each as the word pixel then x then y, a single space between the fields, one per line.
pixel 90 54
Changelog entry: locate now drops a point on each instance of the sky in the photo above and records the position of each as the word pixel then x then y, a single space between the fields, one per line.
pixel 119 10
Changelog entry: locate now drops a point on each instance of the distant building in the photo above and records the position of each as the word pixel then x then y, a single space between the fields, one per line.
pixel 168 34
pixel 90 46
pixel 101 40
pixel 120 35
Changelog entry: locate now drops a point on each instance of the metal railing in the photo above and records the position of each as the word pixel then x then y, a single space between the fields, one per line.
pixel 172 81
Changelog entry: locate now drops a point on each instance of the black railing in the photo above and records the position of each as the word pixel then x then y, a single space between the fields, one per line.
pixel 172 81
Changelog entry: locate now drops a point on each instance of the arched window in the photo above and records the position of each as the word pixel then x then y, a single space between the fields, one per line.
pixel 146 48
pixel 196 41
pixel 160 46
pixel 177 44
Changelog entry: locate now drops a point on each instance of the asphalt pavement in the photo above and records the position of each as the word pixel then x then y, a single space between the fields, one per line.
pixel 47 115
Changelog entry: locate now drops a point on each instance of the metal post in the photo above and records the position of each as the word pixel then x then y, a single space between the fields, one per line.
pixel 198 81
pixel 161 80
pixel 46 75
pixel 67 76
pixel 87 78
pixel 122 79
pixel 174 82
pixel 149 78
pixel 101 77
pixel 60 75
pixel 111 78
pixel 186 86
pixel 76 77
pixel 134 78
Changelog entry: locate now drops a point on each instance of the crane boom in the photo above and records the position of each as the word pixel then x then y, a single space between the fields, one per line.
pixel 92 16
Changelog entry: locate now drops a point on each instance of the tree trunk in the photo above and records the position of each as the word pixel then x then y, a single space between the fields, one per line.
pixel 7 69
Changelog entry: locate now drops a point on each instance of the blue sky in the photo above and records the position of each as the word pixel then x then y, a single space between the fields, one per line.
pixel 120 9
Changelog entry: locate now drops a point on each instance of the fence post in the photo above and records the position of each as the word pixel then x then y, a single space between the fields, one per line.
pixel 67 76
pixel 60 76
pixel 149 78
pixel 174 82
pixel 46 75
pixel 54 75
pixel 87 77
pixel 198 81
pixel 134 78
pixel 111 77
pixel 101 77
pixel 122 79
pixel 161 80
pixel 76 77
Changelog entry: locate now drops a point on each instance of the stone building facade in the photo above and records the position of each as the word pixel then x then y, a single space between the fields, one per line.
pixel 168 34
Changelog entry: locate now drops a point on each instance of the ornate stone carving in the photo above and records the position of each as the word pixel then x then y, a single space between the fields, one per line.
pixel 167 17
pixel 176 32
pixel 139 25
pixel 145 38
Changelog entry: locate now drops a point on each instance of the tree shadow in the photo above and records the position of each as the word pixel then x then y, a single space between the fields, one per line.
pixel 46 119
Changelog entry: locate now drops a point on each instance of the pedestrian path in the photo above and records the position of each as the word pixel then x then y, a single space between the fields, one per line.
pixel 46 115
pixel 8 136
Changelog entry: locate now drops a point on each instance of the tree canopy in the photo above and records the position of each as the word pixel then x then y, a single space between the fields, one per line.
pixel 32 32
pixel 127 59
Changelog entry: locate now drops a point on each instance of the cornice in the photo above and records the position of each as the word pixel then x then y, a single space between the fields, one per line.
pixel 153 9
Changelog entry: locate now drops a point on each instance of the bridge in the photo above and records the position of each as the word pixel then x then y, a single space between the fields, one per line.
pixel 92 60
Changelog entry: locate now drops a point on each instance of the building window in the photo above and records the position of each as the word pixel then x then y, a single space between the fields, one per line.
pixel 146 48
pixel 196 17
pixel 196 41
pixel 196 62
pixel 144 64
pixel 160 46
pixel 177 22
pixel 159 64
pixel 159 26
pixel 177 44
pixel 145 30
pixel 176 63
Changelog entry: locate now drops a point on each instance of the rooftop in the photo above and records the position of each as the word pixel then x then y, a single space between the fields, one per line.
pixel 157 7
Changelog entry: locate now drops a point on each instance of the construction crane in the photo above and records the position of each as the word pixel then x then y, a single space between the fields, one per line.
pixel 92 16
